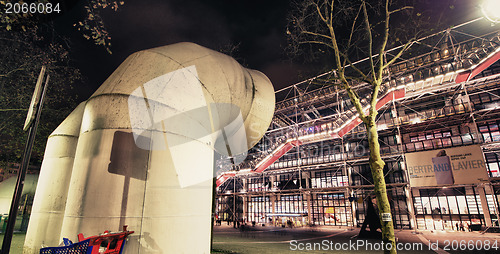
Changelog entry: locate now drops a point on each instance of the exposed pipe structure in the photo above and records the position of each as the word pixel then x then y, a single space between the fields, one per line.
pixel 140 151
pixel 440 69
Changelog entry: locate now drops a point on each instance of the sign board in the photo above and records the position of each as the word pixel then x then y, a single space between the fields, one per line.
pixel 386 217
pixel 35 99
pixel 458 165
pixel 330 209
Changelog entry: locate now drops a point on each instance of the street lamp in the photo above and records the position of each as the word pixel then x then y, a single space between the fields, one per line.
pixel 491 10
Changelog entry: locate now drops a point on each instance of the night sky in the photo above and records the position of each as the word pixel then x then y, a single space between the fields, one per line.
pixel 257 28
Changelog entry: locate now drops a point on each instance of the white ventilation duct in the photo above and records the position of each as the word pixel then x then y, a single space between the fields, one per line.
pixel 140 150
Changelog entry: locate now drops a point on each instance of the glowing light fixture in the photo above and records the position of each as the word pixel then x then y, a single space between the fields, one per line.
pixel 491 10
pixel 416 120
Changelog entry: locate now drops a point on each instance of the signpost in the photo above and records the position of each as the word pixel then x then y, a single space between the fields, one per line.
pixel 31 125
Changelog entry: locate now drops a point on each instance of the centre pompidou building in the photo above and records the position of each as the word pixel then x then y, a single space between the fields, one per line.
pixel 438 122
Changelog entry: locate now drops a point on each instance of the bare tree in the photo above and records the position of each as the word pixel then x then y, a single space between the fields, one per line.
pixel 32 41
pixel 346 30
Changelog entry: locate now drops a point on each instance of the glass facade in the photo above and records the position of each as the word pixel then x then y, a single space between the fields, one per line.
pixel 229 208
pixel 445 208
pixel 277 209
pixel 258 209
pixel 329 179
pixel 492 162
pixel 331 209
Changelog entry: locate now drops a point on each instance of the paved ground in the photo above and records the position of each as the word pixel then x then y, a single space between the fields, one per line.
pixel 339 240
pixel 16 246
pixel 334 240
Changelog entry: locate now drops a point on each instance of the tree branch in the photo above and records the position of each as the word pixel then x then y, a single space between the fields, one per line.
pixel 373 100
pixel 331 10
pixel 370 39
pixel 361 80
pixel 336 51
pixel 319 13
pixel 316 34
pixel 14 40
pixel 400 9
pixel 350 36
pixel 12 109
pixel 384 43
pixel 354 67
pixel 355 100
pixel 396 57
pixel 12 71
pixel 317 42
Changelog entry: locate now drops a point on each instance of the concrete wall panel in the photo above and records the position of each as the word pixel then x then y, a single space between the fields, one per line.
pixel 51 194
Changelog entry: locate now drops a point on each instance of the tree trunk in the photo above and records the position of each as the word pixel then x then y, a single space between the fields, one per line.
pixel 377 167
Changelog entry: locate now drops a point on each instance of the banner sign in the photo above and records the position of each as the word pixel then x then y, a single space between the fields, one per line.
pixel 458 165
pixel 329 209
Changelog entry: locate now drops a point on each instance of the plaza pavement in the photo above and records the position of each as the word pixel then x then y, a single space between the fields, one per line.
pixel 331 239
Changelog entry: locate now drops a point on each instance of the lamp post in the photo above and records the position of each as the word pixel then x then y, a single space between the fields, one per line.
pixel 491 10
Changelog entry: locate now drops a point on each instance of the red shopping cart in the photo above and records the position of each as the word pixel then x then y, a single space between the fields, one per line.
pixel 106 243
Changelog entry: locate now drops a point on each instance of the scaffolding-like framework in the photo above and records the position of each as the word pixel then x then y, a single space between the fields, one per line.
pixel 315 153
